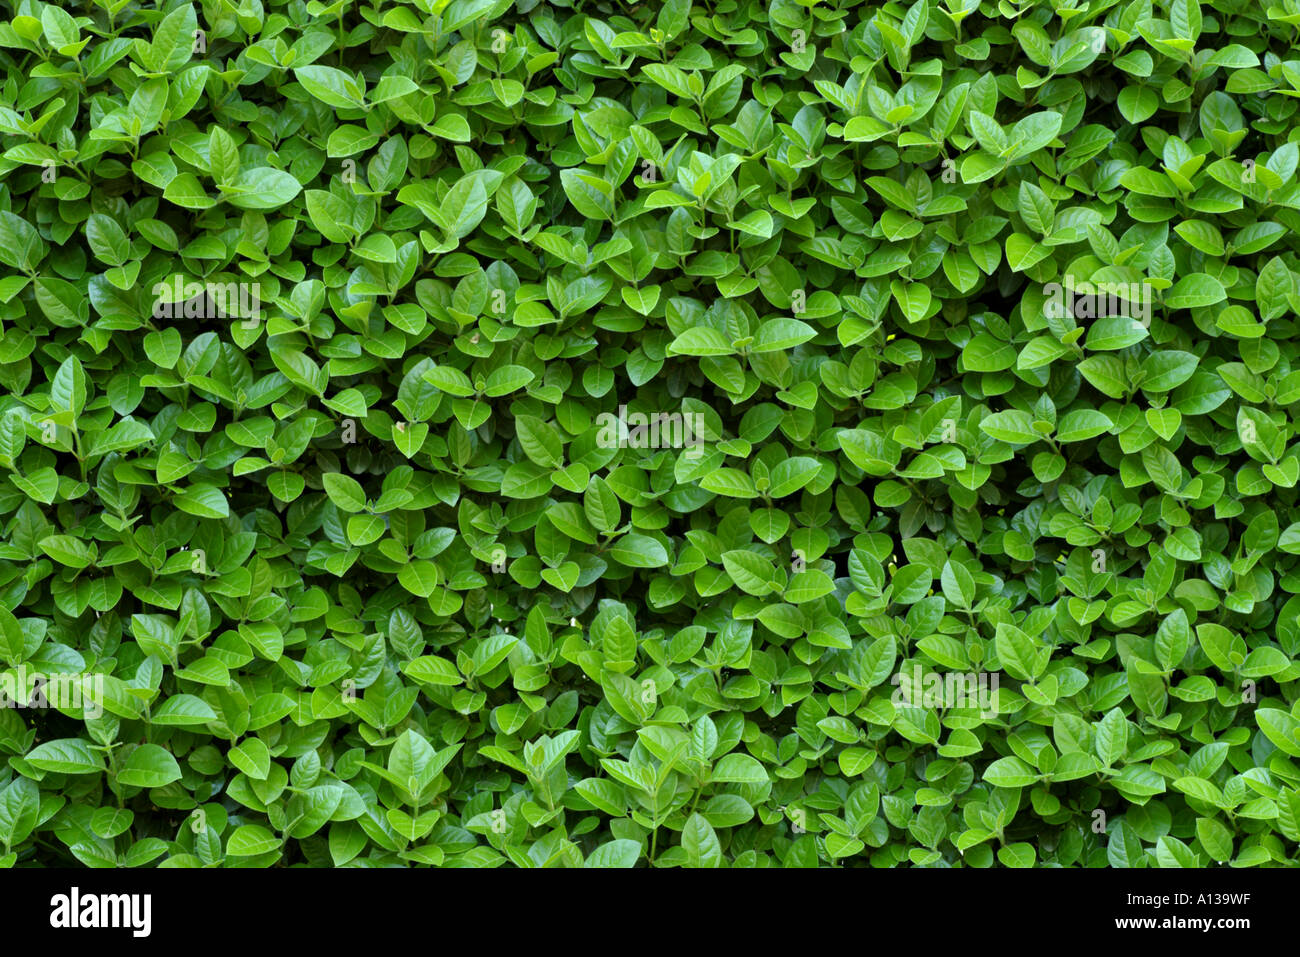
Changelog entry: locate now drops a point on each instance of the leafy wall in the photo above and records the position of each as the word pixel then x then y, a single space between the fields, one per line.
pixel 481 433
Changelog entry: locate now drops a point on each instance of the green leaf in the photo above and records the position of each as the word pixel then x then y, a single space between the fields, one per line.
pixel 1010 772
pixel 739 769
pixel 250 840
pixel 1011 426
pixel 639 551
pixel 590 195
pixel 1080 425
pixel 1017 652
pixel 617 853
pixel 701 843
pixel 331 86
pixel 262 188
pixel 149 766
pixel 344 491
pixel 66 756
pixel 752 573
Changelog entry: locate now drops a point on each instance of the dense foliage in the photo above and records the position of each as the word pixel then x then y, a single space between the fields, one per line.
pixel 702 433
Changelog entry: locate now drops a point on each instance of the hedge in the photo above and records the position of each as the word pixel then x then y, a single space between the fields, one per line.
pixel 719 433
